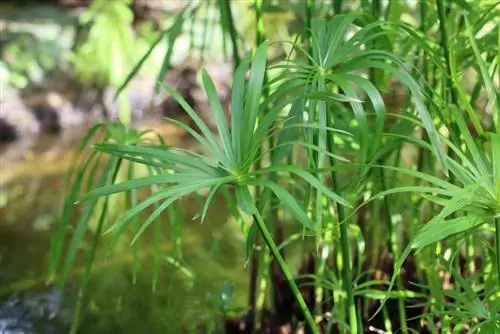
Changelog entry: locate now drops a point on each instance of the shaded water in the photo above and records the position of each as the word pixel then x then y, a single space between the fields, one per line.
pixel 32 189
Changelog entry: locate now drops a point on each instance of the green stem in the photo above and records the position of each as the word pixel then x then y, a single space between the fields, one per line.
pixel 454 130
pixel 376 9
pixel 320 162
pixel 284 269
pixel 337 7
pixel 307 30
pixel 497 242
pixel 227 18
pixel 262 260
pixel 446 50
pixel 393 246
pixel 344 242
pixel 205 31
pixel 260 34
pixel 444 42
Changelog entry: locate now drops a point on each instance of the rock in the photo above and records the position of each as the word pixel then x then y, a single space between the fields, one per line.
pixel 185 80
pixel 17 116
pixel 48 118
pixel 140 96
pixel 34 313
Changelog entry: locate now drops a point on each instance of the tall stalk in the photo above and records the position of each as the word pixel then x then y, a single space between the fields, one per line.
pixel 228 22
pixel 376 9
pixel 206 20
pixel 326 236
pixel 286 272
pixel 497 242
pixel 422 153
pixel 446 51
pixel 454 131
pixel 272 218
pixel 393 247
pixel 315 209
pixel 424 161
pixel 344 242
pixel 307 30
pixel 444 42
pixel 261 262
pixel 337 6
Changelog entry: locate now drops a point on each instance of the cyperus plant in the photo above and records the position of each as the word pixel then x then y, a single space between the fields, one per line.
pixel 226 163
pixel 337 64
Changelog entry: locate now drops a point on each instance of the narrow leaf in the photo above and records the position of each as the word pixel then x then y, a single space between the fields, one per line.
pixel 437 230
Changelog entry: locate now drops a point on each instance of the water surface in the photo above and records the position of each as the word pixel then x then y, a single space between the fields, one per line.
pixel 121 298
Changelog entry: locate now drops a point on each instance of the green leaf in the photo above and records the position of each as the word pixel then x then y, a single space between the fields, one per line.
pixel 215 148
pixel 309 178
pixel 488 82
pixel 174 33
pixel 237 108
pixel 330 97
pixel 244 200
pixel 211 196
pixel 288 202
pixel 190 160
pixel 378 106
pixel 169 195
pixel 219 116
pixel 81 228
pixel 437 230
pixel 158 211
pixel 359 113
pixel 57 241
pixel 379 59
pixel 139 183
pixel 287 132
pixel 253 94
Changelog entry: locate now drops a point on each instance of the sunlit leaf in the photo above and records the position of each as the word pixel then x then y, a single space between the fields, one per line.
pixel 437 230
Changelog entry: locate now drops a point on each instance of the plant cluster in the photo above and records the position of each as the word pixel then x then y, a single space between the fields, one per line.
pixel 397 204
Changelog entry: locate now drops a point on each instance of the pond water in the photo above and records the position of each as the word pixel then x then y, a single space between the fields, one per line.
pixel 30 202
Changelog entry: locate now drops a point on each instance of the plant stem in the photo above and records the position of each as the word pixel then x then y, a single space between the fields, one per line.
pixel 344 242
pixel 444 42
pixel 262 261
pixel 205 31
pixel 445 46
pixel 497 242
pixel 260 34
pixel 256 261
pixel 376 9
pixel 252 293
pixel 284 269
pixel 227 18
pixel 337 6
pixel 307 30
pixel 393 247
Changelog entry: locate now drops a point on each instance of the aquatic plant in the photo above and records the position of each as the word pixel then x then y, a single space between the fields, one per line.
pixel 395 202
